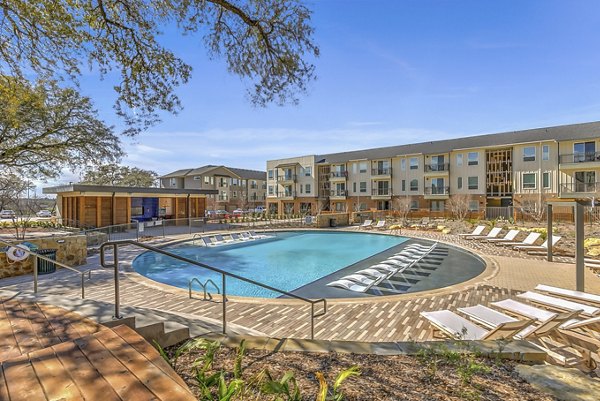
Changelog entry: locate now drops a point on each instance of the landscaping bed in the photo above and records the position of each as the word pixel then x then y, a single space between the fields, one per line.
pixel 433 375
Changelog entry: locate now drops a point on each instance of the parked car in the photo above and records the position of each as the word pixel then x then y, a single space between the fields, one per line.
pixel 7 214
pixel 44 213
pixel 239 212
pixel 260 209
pixel 223 214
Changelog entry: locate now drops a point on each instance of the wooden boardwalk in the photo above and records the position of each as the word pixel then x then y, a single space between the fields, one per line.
pixel 48 353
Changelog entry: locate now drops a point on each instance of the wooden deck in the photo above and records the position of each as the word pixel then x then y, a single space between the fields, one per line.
pixel 48 353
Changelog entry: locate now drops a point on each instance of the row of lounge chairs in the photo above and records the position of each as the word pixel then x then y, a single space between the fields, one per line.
pixel 509 239
pixel 363 280
pixel 368 224
pixel 570 318
pixel 219 239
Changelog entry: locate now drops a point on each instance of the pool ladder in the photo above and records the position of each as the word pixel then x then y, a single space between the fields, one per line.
pixel 203 286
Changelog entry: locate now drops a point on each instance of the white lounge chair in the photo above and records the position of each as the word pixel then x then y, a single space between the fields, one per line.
pixel 543 247
pixel 254 235
pixel 376 273
pixel 559 303
pixel 366 224
pixel 457 327
pixel 359 278
pixel 350 285
pixel 246 236
pixel 492 234
pixel 208 241
pixel 521 309
pixel 529 240
pixel 477 231
pixel 509 237
pixel 220 239
pixel 380 225
pixel 386 268
pixel 577 295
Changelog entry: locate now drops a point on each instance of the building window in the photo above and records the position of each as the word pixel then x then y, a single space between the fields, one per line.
pixel 529 154
pixel 307 188
pixel 270 174
pixel 414 204
pixel 362 167
pixel 353 187
pixel 459 159
pixel 308 171
pixel 270 189
pixel 235 194
pixel 197 177
pixel 301 188
pixel 340 207
pixel 459 183
pixel 363 186
pixel 173 182
pixel 414 185
pixel 473 158
pixel 529 180
pixel 546 180
pixel 546 152
pixel 362 206
pixel 403 164
pixel 403 185
pixel 206 179
pixel 473 206
pixel 473 182
pixel 437 205
pixel 414 163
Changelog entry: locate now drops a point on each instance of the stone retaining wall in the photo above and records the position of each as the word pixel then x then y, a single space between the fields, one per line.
pixel 324 220
pixel 71 250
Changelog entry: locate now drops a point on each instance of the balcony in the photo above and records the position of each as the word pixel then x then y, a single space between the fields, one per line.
pixel 437 169
pixel 381 193
pixel 286 177
pixel 437 192
pixel 338 194
pixel 580 161
pixel 286 194
pixel 579 189
pixel 381 172
pixel 338 175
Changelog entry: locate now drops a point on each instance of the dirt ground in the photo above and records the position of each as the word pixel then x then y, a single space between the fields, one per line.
pixel 381 378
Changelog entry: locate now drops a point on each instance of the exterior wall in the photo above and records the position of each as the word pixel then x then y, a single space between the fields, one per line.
pixel 537 167
pixel 299 167
pixel 408 175
pixel 465 171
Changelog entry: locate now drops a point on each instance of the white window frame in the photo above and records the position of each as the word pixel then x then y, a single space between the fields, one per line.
pixel 545 152
pixel 529 158
pixel 459 183
pixel 307 188
pixel 308 171
pixel 361 185
pixel 473 205
pixel 469 183
pixel 411 185
pixel 362 170
pixel 534 181
pixel 403 164
pixel 547 174
pixel 414 166
pixel 459 159
pixel 475 161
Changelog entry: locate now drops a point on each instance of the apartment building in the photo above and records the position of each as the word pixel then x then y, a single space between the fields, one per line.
pixel 519 168
pixel 237 188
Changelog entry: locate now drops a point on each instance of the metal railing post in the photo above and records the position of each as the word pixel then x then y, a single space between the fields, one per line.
pixel 117 294
pixel 137 230
pixel 82 285
pixel 224 305
pixel 35 274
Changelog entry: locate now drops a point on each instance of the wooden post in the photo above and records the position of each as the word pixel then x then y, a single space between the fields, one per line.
pixel 549 231
pixel 114 210
pixel 81 209
pixel 98 211
pixel 128 212
pixel 579 249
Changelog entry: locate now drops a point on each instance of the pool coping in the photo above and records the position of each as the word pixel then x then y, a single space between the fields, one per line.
pixel 490 271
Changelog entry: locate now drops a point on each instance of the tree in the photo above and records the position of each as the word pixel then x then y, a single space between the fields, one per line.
pixel 12 187
pixel 459 206
pixel 44 128
pixel 534 208
pixel 403 206
pixel 120 176
pixel 264 41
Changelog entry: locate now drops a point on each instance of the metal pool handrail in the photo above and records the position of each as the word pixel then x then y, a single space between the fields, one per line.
pixel 224 274
pixel 209 281
pixel 36 257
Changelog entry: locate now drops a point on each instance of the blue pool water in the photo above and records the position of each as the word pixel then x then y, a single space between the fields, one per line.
pixel 287 261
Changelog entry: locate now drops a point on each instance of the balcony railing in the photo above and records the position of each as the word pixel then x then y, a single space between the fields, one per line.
pixel 437 190
pixel 381 191
pixel 434 168
pixel 338 192
pixel 581 187
pixel 286 194
pixel 381 171
pixel 580 157
pixel 339 174
pixel 286 177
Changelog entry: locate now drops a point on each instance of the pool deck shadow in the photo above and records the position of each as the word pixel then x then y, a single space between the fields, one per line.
pixel 444 266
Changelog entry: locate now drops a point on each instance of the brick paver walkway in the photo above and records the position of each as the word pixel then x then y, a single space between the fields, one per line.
pixel 387 319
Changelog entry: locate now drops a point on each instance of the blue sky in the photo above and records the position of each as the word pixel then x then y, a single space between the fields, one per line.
pixel 390 72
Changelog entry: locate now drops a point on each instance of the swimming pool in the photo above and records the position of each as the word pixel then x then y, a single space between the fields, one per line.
pixel 287 261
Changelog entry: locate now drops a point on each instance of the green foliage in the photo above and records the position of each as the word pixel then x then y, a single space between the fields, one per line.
pixel 284 389
pixel 237 369
pixel 336 393
pixel 111 174
pixel 47 128
pixel 267 42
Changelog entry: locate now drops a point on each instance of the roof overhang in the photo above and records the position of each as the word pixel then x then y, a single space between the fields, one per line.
pixel 102 190
pixel 286 164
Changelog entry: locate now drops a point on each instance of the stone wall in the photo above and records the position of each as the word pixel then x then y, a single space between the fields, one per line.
pixel 71 250
pixel 324 220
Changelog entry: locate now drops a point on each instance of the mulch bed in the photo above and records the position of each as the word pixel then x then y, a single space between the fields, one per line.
pixel 381 378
